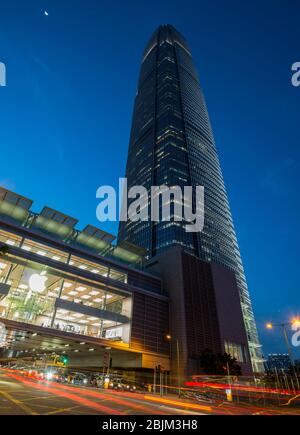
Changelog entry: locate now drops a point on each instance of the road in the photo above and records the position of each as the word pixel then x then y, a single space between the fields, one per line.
pixel 21 395
pixel 24 396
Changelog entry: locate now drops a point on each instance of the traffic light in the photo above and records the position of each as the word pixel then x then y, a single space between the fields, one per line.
pixel 65 359
pixel 61 360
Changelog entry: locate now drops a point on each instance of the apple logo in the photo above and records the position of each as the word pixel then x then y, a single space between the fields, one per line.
pixel 37 282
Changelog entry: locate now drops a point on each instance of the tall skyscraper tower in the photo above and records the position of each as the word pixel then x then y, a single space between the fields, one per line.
pixel 172 144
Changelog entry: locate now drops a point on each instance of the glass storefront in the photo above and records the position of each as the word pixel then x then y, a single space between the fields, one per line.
pixel 43 296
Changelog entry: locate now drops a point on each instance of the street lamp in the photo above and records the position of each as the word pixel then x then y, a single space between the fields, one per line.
pixel 295 323
pixel 169 338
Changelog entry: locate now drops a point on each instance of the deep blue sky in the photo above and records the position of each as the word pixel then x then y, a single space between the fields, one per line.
pixel 66 113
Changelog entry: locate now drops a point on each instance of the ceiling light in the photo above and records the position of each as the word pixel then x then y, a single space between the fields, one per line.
pixel 26 248
pixel 10 242
pixel 94 293
pixel 23 286
pixel 43 253
pixel 81 289
pixel 67 284
pixel 85 297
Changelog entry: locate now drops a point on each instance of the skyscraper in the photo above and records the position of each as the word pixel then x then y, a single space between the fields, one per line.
pixel 172 144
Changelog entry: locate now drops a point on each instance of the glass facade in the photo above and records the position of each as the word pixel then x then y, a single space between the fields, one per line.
pixel 172 144
pixel 33 292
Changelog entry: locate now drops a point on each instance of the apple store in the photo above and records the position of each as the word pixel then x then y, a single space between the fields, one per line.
pixel 56 280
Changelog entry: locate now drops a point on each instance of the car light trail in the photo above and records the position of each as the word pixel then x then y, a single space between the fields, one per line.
pixel 119 401
pixel 238 387
pixel 73 397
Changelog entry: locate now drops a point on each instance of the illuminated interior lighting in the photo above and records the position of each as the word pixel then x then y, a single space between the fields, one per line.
pixel 81 289
pixel 60 311
pixel 67 284
pixel 56 257
pixel 85 297
pixel 43 253
pixel 64 297
pixel 78 315
pixel 3 266
pixel 72 293
pixel 82 266
pixel 82 321
pixel 23 286
pixel 98 300
pixel 95 271
pixel 94 293
pixel 26 248
pixel 10 242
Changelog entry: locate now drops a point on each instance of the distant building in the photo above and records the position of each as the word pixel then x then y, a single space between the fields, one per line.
pixel 278 361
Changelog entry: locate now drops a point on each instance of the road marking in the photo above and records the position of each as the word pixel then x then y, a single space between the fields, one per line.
pixel 178 403
pixel 62 410
pixel 182 411
pixel 50 397
pixel 17 403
